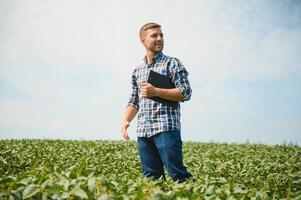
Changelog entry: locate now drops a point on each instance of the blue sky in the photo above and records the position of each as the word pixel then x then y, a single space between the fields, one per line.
pixel 65 67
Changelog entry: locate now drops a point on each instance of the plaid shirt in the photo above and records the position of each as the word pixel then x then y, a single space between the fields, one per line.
pixel 154 117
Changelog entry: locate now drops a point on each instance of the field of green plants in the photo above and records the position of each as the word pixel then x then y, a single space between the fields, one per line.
pixel 56 169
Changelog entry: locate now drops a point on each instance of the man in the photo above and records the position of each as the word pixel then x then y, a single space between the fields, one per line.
pixel 158 126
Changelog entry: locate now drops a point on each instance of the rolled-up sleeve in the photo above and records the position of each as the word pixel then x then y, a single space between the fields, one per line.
pixel 134 98
pixel 180 78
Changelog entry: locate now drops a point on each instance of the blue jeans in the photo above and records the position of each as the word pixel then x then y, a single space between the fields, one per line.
pixel 163 149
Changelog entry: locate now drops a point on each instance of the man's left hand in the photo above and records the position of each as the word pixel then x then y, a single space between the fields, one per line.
pixel 148 90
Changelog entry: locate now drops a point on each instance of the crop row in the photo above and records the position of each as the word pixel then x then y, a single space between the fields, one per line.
pixel 58 169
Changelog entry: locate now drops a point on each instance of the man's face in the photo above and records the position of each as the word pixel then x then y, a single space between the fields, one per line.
pixel 153 40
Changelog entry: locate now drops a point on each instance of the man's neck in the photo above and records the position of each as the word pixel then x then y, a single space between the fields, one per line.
pixel 150 56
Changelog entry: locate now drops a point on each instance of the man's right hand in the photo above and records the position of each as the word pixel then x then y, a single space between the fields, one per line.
pixel 124 133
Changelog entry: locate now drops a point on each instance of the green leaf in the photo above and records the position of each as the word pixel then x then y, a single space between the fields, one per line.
pixel 2 194
pixel 114 183
pixel 7 179
pixel 44 196
pixel 103 197
pixel 3 160
pixel 31 190
pixel 238 190
pixel 25 181
pixel 210 190
pixel 16 194
pixel 65 195
pixel 79 193
pixel 91 184
pixel 103 180
pixel 64 182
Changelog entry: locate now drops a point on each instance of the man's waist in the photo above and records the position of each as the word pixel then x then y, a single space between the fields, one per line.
pixel 143 131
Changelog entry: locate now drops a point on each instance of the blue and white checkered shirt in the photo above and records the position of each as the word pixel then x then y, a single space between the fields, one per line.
pixel 154 117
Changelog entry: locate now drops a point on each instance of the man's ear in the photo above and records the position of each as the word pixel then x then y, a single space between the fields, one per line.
pixel 142 41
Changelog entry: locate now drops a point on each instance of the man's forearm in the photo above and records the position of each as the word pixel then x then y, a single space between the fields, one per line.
pixel 169 94
pixel 130 113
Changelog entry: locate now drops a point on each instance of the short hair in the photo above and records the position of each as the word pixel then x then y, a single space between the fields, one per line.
pixel 147 26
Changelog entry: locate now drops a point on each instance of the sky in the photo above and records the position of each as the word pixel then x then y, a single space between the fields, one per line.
pixel 65 67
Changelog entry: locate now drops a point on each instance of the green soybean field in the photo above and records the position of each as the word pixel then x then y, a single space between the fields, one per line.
pixel 80 169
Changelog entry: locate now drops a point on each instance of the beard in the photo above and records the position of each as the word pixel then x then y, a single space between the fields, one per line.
pixel 156 47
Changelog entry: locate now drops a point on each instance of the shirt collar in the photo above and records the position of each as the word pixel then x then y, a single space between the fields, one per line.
pixel 157 57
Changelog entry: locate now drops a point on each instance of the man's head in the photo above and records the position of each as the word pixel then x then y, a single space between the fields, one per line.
pixel 151 37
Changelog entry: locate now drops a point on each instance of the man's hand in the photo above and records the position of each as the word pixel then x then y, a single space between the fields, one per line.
pixel 148 90
pixel 124 133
